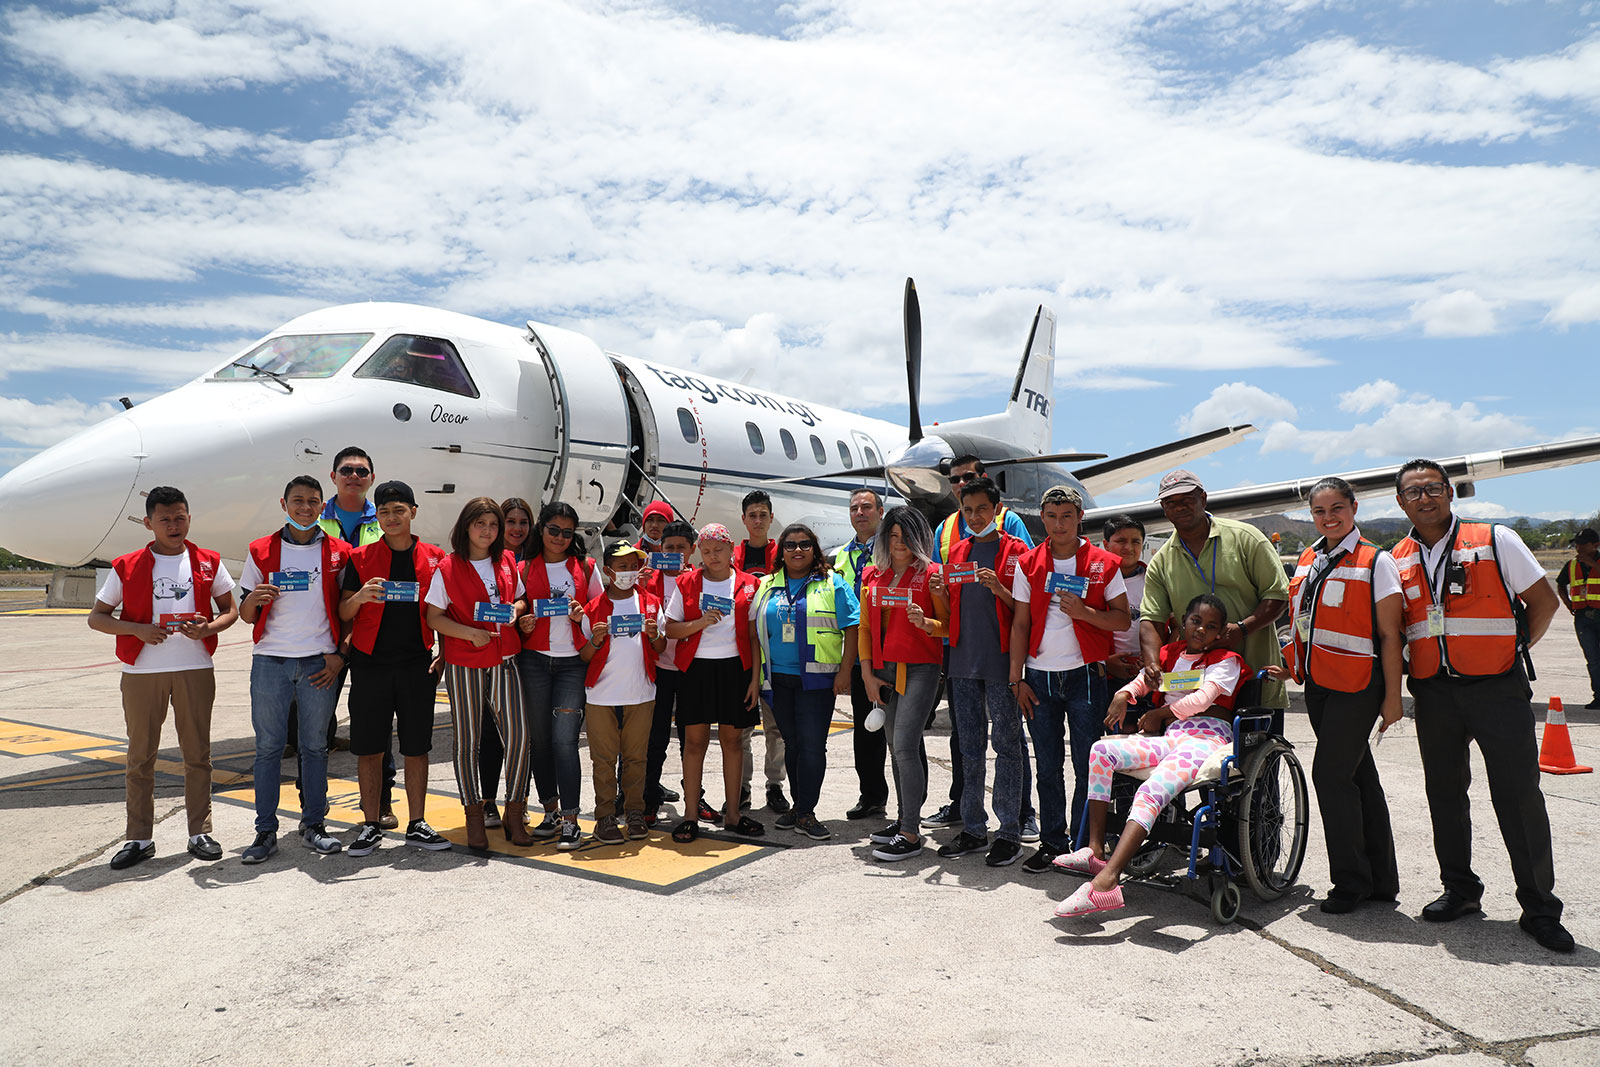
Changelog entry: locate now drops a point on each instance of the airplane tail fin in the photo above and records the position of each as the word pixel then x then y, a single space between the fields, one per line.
pixel 1026 419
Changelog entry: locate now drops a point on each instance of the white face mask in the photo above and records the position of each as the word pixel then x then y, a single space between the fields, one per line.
pixel 624 579
pixel 986 531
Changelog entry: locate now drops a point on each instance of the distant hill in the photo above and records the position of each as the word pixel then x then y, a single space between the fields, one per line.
pixel 1537 533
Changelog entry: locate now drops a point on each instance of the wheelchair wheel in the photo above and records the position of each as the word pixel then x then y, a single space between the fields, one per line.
pixel 1144 862
pixel 1272 817
pixel 1224 902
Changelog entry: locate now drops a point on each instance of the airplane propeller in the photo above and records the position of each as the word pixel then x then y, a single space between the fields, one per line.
pixel 913 327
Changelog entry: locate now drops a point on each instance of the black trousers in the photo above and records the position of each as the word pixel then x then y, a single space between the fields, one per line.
pixel 1496 713
pixel 667 682
pixel 1355 813
pixel 871 747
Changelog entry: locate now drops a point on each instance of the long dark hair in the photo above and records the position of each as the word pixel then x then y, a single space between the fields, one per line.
pixel 516 503
pixel 470 513
pixel 557 509
pixel 819 562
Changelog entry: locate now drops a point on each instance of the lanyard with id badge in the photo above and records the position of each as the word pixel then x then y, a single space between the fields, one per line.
pixel 1450 579
pixel 787 614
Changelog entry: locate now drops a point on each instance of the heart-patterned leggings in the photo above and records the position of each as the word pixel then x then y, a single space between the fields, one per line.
pixel 1176 755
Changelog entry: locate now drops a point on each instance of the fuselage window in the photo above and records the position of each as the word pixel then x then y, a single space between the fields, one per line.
pixel 430 362
pixel 818 451
pixel 757 445
pixel 845 457
pixel 872 457
pixel 787 439
pixel 314 355
pixel 1000 480
pixel 691 432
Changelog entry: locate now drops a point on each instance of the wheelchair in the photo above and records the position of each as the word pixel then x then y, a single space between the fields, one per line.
pixel 1245 817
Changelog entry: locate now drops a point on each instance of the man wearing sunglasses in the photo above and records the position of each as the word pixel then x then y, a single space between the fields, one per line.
pixel 1475 602
pixel 349 515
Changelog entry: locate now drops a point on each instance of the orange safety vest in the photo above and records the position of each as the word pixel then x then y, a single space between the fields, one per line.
pixel 950 531
pixel 1343 620
pixel 1480 623
pixel 1583 591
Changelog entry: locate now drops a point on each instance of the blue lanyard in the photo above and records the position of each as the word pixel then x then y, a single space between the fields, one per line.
pixel 1196 559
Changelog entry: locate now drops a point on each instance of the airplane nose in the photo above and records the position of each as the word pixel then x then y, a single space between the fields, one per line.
pixel 60 505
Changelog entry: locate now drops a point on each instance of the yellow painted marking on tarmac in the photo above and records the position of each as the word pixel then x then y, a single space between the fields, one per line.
pixel 109 772
pixel 656 861
pixel 21 739
pixel 47 611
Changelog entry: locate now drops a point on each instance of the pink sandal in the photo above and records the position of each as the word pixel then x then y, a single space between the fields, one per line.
pixel 1083 861
pixel 1088 900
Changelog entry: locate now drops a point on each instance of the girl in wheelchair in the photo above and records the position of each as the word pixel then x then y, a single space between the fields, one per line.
pixel 1175 738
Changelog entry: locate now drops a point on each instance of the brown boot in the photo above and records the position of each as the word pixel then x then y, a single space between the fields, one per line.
pixel 515 820
pixel 477 837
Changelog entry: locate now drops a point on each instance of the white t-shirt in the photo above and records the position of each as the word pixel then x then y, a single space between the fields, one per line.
pixel 1385 575
pixel 1224 673
pixel 716 642
pixel 172 593
pixel 1128 640
pixel 1517 564
pixel 297 622
pixel 622 679
pixel 561 584
pixel 1058 649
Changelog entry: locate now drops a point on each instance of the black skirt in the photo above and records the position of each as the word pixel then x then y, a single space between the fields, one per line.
pixel 712 692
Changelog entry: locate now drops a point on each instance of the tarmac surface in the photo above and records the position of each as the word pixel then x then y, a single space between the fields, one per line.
pixel 779 950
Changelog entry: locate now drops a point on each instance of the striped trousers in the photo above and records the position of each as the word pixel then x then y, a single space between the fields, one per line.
pixel 499 689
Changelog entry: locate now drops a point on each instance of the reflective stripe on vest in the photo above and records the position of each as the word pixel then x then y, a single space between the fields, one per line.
pixel 1480 627
pixel 950 531
pixel 1583 592
pixel 1342 652
pixel 366 532
pixel 823 649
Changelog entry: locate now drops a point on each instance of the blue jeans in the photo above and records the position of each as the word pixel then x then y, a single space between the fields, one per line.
pixel 275 682
pixel 1587 625
pixel 803 716
pixel 553 701
pixel 974 705
pixel 1071 704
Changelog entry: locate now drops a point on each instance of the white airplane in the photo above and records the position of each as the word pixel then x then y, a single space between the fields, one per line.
pixel 458 407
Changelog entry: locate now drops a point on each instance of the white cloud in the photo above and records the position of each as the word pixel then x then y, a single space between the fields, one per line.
pixel 43 424
pixel 1363 398
pixel 1417 425
pixel 25 353
pixel 1459 313
pixel 1233 403
pixel 1579 306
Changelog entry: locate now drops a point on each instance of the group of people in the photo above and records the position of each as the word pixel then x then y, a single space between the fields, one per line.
pixel 1095 657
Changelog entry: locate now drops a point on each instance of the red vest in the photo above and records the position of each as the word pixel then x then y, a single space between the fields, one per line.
pixel 536 583
pixel 268 553
pixel 1169 659
pixel 769 554
pixel 690 585
pixel 1095 563
pixel 138 593
pixel 599 610
pixel 1005 566
pixel 373 561
pixel 899 641
pixel 464 589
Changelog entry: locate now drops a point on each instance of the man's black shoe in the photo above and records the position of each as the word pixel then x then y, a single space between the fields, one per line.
pixel 1449 907
pixel 204 848
pixel 1337 903
pixel 866 809
pixel 776 801
pixel 669 796
pixel 1548 931
pixel 132 853
pixel 1593 705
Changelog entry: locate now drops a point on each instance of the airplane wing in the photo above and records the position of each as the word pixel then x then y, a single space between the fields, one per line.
pixel 1252 500
pixel 1104 477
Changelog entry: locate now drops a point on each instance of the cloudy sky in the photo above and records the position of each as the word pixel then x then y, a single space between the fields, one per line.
pixel 1372 229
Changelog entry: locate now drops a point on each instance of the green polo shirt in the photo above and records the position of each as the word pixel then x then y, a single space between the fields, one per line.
pixel 1246 571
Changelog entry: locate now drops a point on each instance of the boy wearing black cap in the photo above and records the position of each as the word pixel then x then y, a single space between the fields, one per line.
pixel 390 652
pixel 1578 585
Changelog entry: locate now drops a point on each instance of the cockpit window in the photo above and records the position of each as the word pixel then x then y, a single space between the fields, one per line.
pixel 430 362
pixel 310 355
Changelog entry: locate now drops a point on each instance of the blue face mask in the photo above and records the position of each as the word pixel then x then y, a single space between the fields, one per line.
pixel 302 529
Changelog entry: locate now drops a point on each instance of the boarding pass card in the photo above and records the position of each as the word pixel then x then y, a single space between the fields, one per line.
pixel 402 592
pixel 625 625
pixel 667 561
pixel 894 596
pixel 961 573
pixel 1182 681
pixel 173 623
pixel 486 612
pixel 1076 584
pixel 552 607
pixel 712 602
pixel 291 581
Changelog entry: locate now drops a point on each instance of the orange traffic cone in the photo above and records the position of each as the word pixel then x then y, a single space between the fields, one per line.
pixel 1555 753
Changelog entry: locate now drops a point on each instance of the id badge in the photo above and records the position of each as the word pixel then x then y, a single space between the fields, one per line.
pixel 1302 625
pixel 1435 620
pixel 788 633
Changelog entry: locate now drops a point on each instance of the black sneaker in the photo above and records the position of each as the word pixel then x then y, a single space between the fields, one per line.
pixel 550 827
pixel 884 836
pixel 368 837
pixel 945 817
pixel 132 853
pixel 901 848
pixel 1002 853
pixel 786 821
pixel 808 825
pixel 571 836
pixel 708 813
pixel 776 801
pixel 265 844
pixel 669 796
pixel 963 844
pixel 1042 860
pixel 491 816
pixel 420 834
